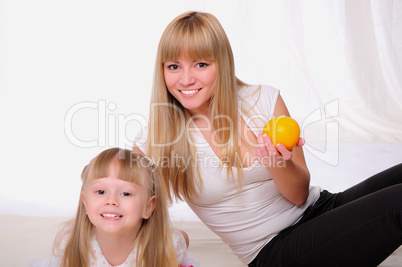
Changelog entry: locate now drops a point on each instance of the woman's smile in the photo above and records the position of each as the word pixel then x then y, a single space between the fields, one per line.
pixel 191 82
pixel 189 93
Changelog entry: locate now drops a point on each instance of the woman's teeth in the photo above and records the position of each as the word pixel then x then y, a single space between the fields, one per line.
pixel 189 92
pixel 111 215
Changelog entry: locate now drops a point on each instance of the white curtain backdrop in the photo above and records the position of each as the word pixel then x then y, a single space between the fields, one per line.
pixel 76 78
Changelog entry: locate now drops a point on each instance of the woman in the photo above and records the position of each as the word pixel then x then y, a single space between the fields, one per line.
pixel 205 133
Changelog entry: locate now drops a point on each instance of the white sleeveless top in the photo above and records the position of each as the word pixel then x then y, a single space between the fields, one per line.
pixel 248 220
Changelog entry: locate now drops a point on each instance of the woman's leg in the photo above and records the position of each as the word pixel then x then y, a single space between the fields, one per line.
pixel 363 232
pixel 389 177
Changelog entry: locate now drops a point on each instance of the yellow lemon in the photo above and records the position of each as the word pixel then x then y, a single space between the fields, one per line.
pixel 283 130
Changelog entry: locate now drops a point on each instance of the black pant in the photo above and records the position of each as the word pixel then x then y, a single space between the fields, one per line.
pixel 361 226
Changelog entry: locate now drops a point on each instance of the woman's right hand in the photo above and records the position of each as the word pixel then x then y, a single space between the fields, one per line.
pixel 267 153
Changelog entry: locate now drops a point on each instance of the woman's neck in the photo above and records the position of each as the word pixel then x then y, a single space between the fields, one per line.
pixel 115 248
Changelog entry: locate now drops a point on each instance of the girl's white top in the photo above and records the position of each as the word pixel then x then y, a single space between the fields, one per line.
pixel 97 258
pixel 248 220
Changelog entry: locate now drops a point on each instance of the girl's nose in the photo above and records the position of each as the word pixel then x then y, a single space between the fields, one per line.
pixel 111 201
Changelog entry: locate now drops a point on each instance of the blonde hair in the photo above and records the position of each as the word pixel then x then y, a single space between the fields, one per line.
pixel 154 239
pixel 198 36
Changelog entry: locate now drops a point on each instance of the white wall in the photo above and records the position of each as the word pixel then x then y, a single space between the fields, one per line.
pixel 76 77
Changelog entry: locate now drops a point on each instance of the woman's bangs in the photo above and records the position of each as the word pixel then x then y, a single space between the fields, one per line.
pixel 191 42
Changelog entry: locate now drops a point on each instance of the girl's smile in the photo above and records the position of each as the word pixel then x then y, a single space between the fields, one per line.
pixel 111 216
pixel 116 206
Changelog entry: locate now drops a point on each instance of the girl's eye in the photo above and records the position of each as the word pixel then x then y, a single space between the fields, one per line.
pixel 126 194
pixel 100 192
pixel 173 67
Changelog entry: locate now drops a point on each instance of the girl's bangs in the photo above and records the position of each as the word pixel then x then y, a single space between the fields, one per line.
pixel 128 166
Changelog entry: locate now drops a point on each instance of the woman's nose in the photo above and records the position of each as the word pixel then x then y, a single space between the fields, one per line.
pixel 187 77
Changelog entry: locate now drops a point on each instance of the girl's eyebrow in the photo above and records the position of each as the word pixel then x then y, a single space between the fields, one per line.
pixel 95 182
pixel 134 185
pixel 131 186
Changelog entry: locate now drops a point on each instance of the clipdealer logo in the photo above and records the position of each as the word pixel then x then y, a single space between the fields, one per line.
pixel 112 128
pixel 329 152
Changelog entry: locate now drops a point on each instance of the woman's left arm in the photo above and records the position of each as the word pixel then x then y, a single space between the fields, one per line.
pixel 288 168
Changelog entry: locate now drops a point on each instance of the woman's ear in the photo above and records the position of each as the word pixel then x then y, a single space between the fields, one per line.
pixel 149 208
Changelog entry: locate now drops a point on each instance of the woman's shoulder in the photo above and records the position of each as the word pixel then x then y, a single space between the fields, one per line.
pixel 140 141
pixel 260 98
pixel 257 91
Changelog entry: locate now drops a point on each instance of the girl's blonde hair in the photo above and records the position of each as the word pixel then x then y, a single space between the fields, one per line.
pixel 154 239
pixel 199 36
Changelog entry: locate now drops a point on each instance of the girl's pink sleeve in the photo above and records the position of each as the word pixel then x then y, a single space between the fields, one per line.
pixel 180 245
pixel 183 259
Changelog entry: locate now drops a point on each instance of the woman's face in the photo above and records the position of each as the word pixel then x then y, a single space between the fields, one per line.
pixel 191 82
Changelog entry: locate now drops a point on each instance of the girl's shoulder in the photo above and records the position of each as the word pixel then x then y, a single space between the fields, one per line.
pixel 62 238
pixel 180 245
pixel 178 238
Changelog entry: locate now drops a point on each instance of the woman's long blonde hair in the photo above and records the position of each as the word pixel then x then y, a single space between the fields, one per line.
pixel 199 36
pixel 154 239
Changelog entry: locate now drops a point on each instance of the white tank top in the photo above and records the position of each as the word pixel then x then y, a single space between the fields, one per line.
pixel 248 220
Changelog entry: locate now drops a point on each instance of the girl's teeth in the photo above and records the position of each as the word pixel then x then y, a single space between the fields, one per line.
pixel 189 92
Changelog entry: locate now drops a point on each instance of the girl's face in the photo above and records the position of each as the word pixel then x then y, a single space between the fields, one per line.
pixel 191 82
pixel 116 206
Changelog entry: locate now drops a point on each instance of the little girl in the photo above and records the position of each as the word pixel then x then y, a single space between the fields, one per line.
pixel 122 217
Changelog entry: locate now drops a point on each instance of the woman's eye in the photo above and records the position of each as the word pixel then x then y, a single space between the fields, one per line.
pixel 202 65
pixel 100 192
pixel 173 67
pixel 126 194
